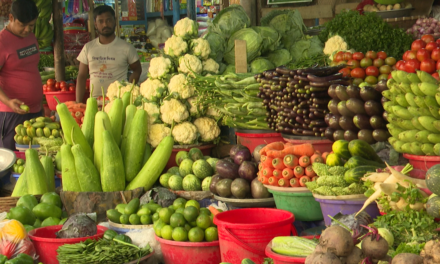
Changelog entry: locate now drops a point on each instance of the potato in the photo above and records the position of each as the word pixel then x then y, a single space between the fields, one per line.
pixel 404 258
pixel 374 9
pixel 389 7
pixel 408 5
pixel 383 8
pixel 367 8
pixel 396 6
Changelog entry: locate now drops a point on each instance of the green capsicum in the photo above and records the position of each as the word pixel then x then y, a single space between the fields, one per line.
pixel 21 259
pixel 110 234
pixel 3 259
pixel 123 238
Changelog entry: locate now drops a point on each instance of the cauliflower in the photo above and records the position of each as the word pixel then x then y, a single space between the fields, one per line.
pixel 200 48
pixel 153 89
pixel 173 110
pixel 156 133
pixel 108 106
pixel 335 43
pixel 175 46
pixel 190 63
pixel 179 85
pixel 214 113
pixel 186 28
pixel 152 110
pixel 208 128
pixel 210 65
pixel 195 107
pixel 185 133
pixel 160 67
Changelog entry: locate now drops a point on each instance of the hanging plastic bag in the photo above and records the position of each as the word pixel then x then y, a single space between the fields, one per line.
pixel 14 239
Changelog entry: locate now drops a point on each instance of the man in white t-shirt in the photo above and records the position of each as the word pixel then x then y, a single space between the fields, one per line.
pixel 107 58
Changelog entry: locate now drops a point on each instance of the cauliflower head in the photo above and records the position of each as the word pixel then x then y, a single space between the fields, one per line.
pixel 179 85
pixel 214 113
pixel 195 107
pixel 160 67
pixel 117 90
pixel 156 133
pixel 185 133
pixel 108 106
pixel 173 110
pixel 200 48
pixel 208 128
pixel 190 63
pixel 211 66
pixel 152 110
pixel 186 28
pixel 335 43
pixel 153 89
pixel 175 46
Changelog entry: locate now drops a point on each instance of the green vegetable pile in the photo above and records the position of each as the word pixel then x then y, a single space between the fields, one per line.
pixel 367 32
pixel 46 60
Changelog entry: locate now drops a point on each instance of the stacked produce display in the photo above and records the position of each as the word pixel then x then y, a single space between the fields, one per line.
pixel 31 130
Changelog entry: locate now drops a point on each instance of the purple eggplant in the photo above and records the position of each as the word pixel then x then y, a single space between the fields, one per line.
pixel 216 178
pixel 233 151
pixel 227 169
pixel 248 170
pixel 242 155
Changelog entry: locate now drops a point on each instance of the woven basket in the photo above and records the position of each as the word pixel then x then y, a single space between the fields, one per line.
pixel 403 22
pixel 7 202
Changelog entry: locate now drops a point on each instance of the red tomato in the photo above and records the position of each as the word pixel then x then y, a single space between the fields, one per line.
pixel 437 41
pixel 50 82
pixel 371 54
pixel 418 44
pixel 71 88
pixel 423 54
pixel 437 65
pixel 390 76
pixel 358 73
pixel 358 56
pixel 353 64
pixel 435 54
pixel 71 84
pixel 345 72
pixel 412 65
pixel 339 56
pixel 57 85
pixel 436 76
pixel 63 84
pixel 409 55
pixel 372 71
pixel 428 38
pixel 431 46
pixel 428 66
pixel 64 89
pixel 400 65
pixel 44 86
pixel 51 88
pixel 382 55
pixel 348 56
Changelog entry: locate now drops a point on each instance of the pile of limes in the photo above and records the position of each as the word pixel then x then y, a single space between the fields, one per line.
pixel 185 221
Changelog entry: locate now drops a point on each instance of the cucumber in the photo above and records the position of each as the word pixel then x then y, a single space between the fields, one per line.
pixel 49 170
pixel 130 111
pixel 357 161
pixel 88 176
pixel 70 179
pixel 36 180
pixel 137 137
pixel 113 215
pixel 88 126
pixel 147 153
pixel 361 148
pixel 112 169
pixel 354 175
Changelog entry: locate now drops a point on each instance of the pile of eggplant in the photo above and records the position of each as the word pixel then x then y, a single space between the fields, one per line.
pixel 356 112
pixel 296 100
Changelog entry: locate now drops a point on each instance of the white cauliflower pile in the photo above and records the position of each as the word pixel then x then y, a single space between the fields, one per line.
pixel 190 63
pixel 186 28
pixel 179 85
pixel 156 133
pixel 160 67
pixel 335 44
pixel 210 66
pixel 117 90
pixel 152 110
pixel 153 89
pixel 173 110
pixel 194 109
pixel 200 48
pixel 208 128
pixel 185 133
pixel 214 113
pixel 175 46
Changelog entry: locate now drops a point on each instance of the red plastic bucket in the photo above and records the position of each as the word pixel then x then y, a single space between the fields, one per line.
pixel 416 173
pixel 20 155
pixel 323 145
pixel 422 162
pixel 252 140
pixel 206 150
pixel 63 97
pixel 175 252
pixel 281 259
pixel 46 243
pixel 245 233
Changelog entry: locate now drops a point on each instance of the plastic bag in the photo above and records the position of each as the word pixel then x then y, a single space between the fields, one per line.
pixel 160 22
pixel 151 30
pixel 14 239
pixel 143 237
pixel 155 41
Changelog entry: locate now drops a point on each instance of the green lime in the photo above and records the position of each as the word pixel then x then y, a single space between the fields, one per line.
pixel 158 228
pixel 155 217
pixel 203 221
pixel 144 211
pixel 134 219
pixel 179 202
pixel 193 203
pixel 180 210
pixel 165 215
pixel 211 234
pixel 180 234
pixel 177 220
pixel 190 213
pixel 205 211
pixel 196 234
pixel 188 227
pixel 146 219
pixel 124 219
pixel 193 224
pixel 167 232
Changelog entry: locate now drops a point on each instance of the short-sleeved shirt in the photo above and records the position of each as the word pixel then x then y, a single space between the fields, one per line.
pixel 19 76
pixel 107 62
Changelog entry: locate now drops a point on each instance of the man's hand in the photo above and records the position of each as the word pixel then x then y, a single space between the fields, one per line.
pixel 14 104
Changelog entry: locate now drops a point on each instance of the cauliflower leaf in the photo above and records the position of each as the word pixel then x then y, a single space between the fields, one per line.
pixel 173 110
pixel 180 86
pixel 208 128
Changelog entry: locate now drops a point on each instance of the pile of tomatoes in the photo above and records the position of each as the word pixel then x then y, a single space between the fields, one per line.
pixel 370 67
pixel 54 86
pixel 424 56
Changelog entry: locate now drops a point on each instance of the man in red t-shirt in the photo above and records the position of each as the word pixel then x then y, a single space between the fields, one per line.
pixel 20 81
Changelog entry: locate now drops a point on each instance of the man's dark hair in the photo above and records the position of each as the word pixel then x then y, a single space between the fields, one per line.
pixel 24 10
pixel 103 9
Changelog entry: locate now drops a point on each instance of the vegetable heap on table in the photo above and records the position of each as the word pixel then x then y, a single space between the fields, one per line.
pixel 46 60
pixel 32 130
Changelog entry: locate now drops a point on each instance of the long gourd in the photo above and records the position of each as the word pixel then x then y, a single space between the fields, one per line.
pixel 112 171
pixel 71 129
pixel 70 179
pixel 20 188
pixel 115 115
pixel 147 153
pixel 126 99
pixel 101 120
pixel 36 176
pixel 49 170
pixel 134 152
pixel 88 176
pixel 88 125
pixel 153 168
pixel 130 111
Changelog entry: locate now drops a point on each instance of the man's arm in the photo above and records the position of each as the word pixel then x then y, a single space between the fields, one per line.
pixel 14 104
pixel 81 82
pixel 137 70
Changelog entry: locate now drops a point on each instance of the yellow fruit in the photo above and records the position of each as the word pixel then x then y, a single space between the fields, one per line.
pixel 14 231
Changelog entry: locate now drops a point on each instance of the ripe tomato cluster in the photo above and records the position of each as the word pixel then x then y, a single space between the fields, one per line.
pixel 370 67
pixel 424 56
pixel 54 86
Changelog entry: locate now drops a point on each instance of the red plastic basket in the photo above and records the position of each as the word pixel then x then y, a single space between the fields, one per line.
pixel 62 96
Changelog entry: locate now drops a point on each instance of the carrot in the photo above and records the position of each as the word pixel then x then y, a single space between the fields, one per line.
pixel 298 171
pixel 265 180
pixel 309 171
pixel 287 173
pixel 272 181
pixel 294 182
pixel 317 159
pixel 314 178
pixel 290 161
pixel 303 180
pixel 277 173
pixel 267 162
pixel 324 156
pixel 318 152
pixel 260 166
pixel 213 210
pixel 267 172
pixel 304 161
pixel 283 183
pixel 300 150
pixel 277 163
pixel 275 153
pixel 79 114
pixel 68 103
pixel 314 156
pixel 273 145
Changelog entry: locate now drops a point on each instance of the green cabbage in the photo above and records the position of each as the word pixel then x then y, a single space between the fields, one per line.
pixel 271 38
pixel 253 45
pixel 229 69
pixel 231 20
pixel 279 57
pixel 306 48
pixel 217 44
pixel 260 65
